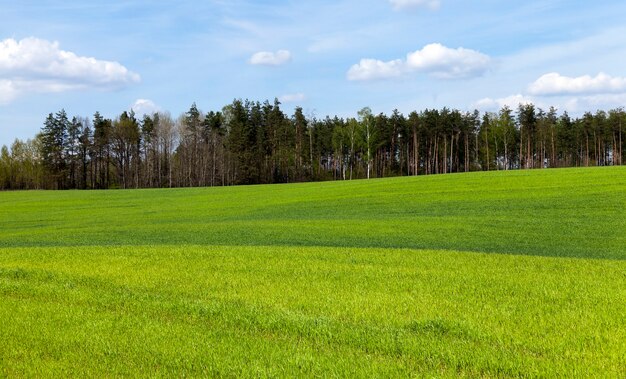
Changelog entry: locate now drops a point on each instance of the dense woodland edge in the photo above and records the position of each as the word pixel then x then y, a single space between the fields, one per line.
pixel 251 143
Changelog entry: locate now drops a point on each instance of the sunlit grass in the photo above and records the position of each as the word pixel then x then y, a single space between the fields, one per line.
pixel 569 212
pixel 394 277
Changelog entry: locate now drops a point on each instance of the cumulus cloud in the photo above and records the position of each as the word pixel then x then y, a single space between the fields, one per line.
pixel 37 65
pixel 579 104
pixel 144 107
pixel 573 94
pixel 512 102
pixel 292 98
pixel 268 58
pixel 373 69
pixel 435 59
pixel 554 84
pixel 447 63
pixel 411 4
pixel 572 104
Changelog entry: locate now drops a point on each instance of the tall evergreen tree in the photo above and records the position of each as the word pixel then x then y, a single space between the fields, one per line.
pixel 54 137
pixel 102 151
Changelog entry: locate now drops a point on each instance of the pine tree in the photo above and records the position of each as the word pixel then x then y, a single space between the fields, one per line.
pixel 54 136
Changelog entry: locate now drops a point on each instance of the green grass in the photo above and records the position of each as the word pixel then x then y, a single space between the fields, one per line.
pixel 498 274
pixel 570 212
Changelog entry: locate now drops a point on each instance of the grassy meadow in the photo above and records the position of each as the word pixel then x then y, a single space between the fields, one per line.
pixel 499 274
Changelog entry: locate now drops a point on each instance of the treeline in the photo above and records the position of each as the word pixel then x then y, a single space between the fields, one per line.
pixel 252 142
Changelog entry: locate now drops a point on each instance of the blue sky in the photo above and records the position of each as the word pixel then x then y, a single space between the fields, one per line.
pixel 330 57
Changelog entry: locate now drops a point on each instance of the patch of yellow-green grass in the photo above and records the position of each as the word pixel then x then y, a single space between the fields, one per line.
pixel 314 311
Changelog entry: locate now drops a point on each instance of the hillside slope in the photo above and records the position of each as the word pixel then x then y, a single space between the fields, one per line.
pixel 502 274
pixel 567 212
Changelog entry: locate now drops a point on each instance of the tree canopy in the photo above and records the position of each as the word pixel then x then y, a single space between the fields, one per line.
pixel 248 142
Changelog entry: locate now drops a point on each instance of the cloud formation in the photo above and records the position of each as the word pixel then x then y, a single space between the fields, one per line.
pixel 373 69
pixel 268 58
pixel 292 98
pixel 575 94
pixel 411 4
pixel 554 84
pixel 513 101
pixel 144 107
pixel 37 65
pixel 434 59
pixel 588 103
pixel 447 63
pixel 573 104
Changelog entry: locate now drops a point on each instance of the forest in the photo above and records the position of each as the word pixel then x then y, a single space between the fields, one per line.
pixel 250 142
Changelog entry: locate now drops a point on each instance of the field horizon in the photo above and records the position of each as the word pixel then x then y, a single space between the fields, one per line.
pixel 490 274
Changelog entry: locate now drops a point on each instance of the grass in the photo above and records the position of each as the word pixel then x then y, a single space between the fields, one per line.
pixel 512 274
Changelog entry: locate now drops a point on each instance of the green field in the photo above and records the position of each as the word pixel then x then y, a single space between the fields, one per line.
pixel 499 274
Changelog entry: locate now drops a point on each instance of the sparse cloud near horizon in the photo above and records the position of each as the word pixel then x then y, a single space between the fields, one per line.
pixel 594 102
pixel 268 58
pixel 33 65
pixel 555 84
pixel 572 94
pixel 292 98
pixel 571 104
pixel 144 107
pixel 513 101
pixel 436 60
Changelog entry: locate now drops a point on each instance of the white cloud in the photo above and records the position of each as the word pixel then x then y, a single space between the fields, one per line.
pixel 513 101
pixel 144 107
pixel 446 63
pixel 373 69
pixel 435 59
pixel 555 84
pixel 292 98
pixel 578 105
pixel 37 65
pixel 575 105
pixel 268 58
pixel 409 4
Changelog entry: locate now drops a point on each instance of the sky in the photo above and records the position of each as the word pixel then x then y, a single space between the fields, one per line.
pixel 329 57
